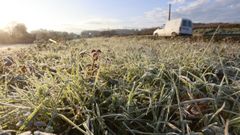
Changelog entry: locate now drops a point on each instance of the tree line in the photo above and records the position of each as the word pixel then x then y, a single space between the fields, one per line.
pixel 18 34
pixel 215 25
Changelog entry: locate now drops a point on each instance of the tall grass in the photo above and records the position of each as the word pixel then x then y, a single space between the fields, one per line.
pixel 135 86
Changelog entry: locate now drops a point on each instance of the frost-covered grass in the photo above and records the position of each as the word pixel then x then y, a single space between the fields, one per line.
pixel 122 85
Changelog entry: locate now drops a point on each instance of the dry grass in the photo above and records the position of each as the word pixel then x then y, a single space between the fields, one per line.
pixel 131 86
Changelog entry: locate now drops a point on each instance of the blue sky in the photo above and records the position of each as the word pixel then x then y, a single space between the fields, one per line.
pixel 78 15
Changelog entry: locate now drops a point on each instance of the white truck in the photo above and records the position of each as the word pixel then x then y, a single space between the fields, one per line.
pixel 175 27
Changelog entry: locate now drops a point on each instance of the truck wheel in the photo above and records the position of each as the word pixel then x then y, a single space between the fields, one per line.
pixel 174 34
pixel 156 35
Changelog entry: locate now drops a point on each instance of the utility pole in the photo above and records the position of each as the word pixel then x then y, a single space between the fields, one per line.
pixel 169 13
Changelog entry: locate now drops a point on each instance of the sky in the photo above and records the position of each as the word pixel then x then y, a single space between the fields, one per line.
pixel 78 15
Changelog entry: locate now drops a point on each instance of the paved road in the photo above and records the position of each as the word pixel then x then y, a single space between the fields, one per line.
pixel 13 47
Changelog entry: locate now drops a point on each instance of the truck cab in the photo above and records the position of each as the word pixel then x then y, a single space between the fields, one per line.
pixel 175 27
